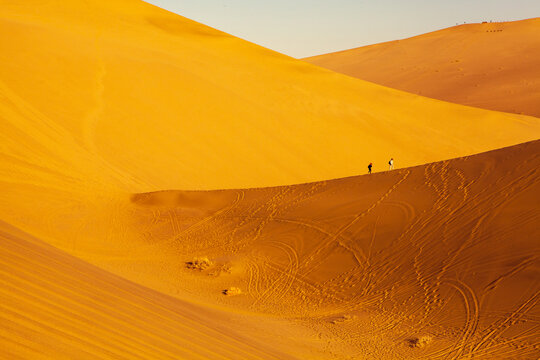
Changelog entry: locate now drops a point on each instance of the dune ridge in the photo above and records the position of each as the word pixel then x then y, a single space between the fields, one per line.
pixel 107 107
pixel 436 261
pixel 134 97
pixel 489 65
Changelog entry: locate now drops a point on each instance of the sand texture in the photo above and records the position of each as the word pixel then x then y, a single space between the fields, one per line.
pixel 155 101
pixel 433 262
pixel 121 122
pixel 493 66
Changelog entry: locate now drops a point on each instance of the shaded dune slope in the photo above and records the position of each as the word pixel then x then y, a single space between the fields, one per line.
pixel 55 306
pixel 438 261
pixel 143 99
pixel 447 250
pixel 492 66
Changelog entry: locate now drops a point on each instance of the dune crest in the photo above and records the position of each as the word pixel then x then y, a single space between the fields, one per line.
pixel 492 66
pixel 107 107
pixel 134 97
pixel 434 261
pixel 439 260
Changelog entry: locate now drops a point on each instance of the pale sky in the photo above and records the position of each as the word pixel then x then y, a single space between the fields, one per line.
pixel 302 28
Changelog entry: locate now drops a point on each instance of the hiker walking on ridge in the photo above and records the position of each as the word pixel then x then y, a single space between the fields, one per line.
pixel 369 168
pixel 391 164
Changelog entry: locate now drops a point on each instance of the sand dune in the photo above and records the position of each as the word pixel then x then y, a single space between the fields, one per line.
pixel 55 306
pixel 492 66
pixel 107 107
pixel 436 261
pixel 433 262
pixel 132 96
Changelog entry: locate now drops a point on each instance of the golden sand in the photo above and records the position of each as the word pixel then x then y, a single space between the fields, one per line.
pixel 108 108
pixel 435 261
pixel 141 99
pixel 493 66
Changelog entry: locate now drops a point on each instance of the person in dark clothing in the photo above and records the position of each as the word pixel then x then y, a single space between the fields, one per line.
pixel 369 167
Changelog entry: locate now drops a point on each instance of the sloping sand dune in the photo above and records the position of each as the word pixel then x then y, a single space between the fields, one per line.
pixel 492 65
pixel 433 262
pixel 436 261
pixel 106 106
pixel 55 306
pixel 132 96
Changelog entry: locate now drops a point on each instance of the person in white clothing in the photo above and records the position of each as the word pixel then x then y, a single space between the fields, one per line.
pixel 391 164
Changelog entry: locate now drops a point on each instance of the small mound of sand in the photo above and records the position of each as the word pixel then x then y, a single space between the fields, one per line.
pixel 232 291
pixel 199 263
pixel 419 342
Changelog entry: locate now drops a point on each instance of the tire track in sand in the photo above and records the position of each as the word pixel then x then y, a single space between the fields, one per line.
pixel 330 239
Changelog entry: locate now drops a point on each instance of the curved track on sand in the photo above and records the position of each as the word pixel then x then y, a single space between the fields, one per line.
pixel 446 251
pixel 55 306
pixel 105 106
pixel 438 261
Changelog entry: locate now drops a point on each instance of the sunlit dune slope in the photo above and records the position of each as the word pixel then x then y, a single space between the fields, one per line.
pixel 438 261
pixel 103 103
pixel 490 65
pixel 128 95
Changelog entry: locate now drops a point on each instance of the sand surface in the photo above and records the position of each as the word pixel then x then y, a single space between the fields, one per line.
pixel 108 109
pixel 433 262
pixel 148 100
pixel 492 66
